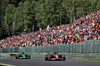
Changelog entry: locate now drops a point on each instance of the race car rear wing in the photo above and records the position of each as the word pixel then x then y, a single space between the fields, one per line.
pixel 12 55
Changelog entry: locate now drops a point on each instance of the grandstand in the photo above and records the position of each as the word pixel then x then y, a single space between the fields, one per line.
pixel 82 29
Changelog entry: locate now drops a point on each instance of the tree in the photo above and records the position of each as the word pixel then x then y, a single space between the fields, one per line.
pixel 28 15
pixel 98 5
pixel 49 13
pixel 8 24
pixel 93 5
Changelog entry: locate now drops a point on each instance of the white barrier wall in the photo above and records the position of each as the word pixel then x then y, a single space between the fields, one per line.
pixel 68 55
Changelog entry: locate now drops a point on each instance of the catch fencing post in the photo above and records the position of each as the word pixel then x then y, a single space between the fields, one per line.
pixel 0 52
pixel 45 48
pixel 19 49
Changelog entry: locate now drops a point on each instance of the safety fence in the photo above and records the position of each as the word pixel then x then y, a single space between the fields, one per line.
pixel 89 46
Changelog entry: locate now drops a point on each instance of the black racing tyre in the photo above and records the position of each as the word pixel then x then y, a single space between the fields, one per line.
pixel 49 57
pixel 17 56
pixel 46 57
pixel 27 55
pixel 63 58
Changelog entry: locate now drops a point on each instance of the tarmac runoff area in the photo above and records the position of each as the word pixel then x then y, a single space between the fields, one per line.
pixel 42 62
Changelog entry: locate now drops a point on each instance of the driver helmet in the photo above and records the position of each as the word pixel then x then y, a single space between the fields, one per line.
pixel 55 52
pixel 22 52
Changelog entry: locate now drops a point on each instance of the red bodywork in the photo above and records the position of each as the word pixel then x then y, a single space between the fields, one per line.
pixel 56 56
pixel 13 55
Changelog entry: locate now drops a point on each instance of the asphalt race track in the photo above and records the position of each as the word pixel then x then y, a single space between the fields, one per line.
pixel 42 62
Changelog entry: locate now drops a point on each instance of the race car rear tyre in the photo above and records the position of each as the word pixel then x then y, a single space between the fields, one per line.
pixel 63 59
pixel 17 56
pixel 49 57
pixel 46 57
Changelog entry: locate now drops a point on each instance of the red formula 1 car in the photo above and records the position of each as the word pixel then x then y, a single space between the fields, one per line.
pixel 54 56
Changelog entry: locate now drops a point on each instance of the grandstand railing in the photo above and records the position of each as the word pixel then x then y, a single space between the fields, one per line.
pixel 88 46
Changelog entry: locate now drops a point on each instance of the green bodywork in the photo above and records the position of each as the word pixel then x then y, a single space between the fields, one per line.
pixel 23 55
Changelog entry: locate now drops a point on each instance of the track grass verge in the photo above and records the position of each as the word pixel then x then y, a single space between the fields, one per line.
pixel 72 59
pixel 83 59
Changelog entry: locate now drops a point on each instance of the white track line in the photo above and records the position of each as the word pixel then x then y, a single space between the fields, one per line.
pixel 6 64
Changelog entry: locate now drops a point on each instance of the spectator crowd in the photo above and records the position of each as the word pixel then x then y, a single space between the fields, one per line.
pixel 84 28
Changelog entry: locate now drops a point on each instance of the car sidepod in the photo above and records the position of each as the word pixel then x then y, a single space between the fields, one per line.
pixel 22 56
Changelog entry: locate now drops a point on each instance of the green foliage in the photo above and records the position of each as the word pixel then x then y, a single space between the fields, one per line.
pixel 49 12
pixel 8 24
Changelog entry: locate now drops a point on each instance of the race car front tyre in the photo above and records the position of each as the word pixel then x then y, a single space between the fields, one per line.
pixel 27 55
pixel 47 57
pixel 63 58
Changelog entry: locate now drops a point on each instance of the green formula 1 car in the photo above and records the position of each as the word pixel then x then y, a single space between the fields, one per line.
pixel 21 56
